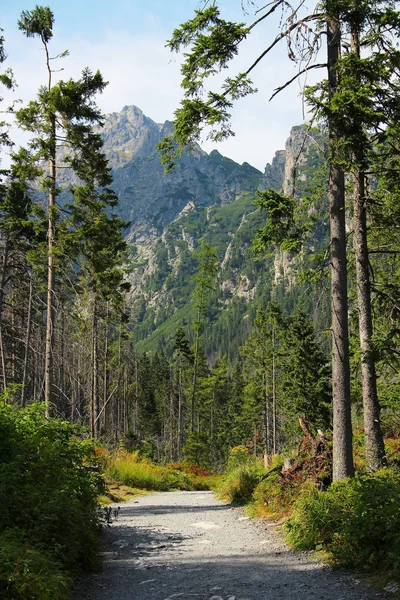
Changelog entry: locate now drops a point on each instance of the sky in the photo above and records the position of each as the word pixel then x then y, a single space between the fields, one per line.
pixel 126 39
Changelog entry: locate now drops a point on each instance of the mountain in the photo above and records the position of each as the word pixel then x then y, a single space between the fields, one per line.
pixel 149 200
pixel 207 198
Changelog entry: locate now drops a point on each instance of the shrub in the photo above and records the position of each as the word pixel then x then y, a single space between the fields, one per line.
pixel 243 473
pixel 274 496
pixel 238 456
pixel 128 468
pixel 238 485
pixel 200 478
pixel 357 520
pixel 46 481
pixel 28 572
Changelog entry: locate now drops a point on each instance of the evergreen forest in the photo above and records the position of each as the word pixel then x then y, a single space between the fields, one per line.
pixel 232 332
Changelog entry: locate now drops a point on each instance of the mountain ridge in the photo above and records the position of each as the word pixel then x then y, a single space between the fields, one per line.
pixel 207 198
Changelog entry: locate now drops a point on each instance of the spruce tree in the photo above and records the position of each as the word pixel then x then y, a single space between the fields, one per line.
pixel 304 374
pixel 212 43
pixel 62 115
pixel 205 283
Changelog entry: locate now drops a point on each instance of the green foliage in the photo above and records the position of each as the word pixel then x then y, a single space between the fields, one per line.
pixel 212 42
pixel 6 79
pixel 242 475
pixel 238 456
pixel 238 485
pixel 357 520
pixel 305 377
pixel 47 479
pixel 280 228
pixel 28 572
pixel 197 449
pixel 274 497
pixel 38 21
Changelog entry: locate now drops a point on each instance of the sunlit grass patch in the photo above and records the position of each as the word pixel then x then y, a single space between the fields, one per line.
pixel 119 493
pixel 128 469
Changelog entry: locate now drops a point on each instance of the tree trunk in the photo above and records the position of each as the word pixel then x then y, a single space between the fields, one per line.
pixel 266 416
pixel 274 445
pixel 27 341
pixel 180 412
pixel 374 444
pixel 50 305
pixel 2 284
pixel 342 430
pixel 105 372
pixel 195 365
pixel 94 408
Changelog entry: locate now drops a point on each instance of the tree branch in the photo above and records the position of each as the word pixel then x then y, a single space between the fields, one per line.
pixel 281 36
pixel 282 87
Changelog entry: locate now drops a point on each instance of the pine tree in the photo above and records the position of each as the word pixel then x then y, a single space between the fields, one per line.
pixel 205 282
pixel 213 43
pixel 304 375
pixel 62 115
pixel 7 80
pixel 183 362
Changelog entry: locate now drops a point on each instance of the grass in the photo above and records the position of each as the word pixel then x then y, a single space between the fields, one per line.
pixel 127 475
pixel 356 520
pixel 118 493
pixel 243 473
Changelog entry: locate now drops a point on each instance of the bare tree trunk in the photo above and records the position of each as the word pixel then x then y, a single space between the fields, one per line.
pixel 172 415
pixel 136 412
pixel 274 448
pixel 3 357
pixel 27 342
pixel 195 367
pixel 342 430
pixel 266 416
pixel 180 412
pixel 2 284
pixel 95 375
pixel 50 305
pixel 105 372
pixel 374 444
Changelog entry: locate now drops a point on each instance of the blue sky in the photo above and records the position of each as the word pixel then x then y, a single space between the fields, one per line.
pixel 126 39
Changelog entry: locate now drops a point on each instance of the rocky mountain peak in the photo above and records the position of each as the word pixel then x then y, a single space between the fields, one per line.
pixel 128 135
pixel 147 198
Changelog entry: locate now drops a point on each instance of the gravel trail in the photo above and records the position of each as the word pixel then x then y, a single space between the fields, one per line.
pixel 190 546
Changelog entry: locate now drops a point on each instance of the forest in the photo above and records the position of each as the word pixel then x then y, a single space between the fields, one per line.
pixel 314 374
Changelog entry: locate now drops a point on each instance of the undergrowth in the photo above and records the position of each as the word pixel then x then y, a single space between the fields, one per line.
pixel 242 474
pixel 129 469
pixel 49 512
pixel 356 520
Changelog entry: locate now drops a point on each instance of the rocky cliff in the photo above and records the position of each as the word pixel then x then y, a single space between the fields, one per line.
pixel 208 197
pixel 148 199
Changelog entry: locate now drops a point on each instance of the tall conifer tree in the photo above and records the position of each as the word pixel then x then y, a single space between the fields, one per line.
pixel 62 115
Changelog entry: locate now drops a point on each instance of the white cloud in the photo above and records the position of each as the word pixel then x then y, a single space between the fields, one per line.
pixel 141 71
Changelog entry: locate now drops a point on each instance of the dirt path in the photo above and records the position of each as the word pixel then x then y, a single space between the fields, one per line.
pixel 190 546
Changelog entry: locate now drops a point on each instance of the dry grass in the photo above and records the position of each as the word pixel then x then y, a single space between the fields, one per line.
pixel 128 469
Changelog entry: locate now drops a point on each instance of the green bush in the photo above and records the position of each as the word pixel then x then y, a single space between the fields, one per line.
pixel 238 485
pixel 28 572
pixel 357 520
pixel 48 496
pixel 274 496
pixel 242 475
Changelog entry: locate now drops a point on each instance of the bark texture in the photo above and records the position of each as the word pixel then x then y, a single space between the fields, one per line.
pixel 342 430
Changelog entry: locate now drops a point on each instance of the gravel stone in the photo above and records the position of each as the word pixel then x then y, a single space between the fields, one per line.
pixel 208 551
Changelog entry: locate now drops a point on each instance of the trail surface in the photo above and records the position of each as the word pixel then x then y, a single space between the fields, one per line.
pixel 190 546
